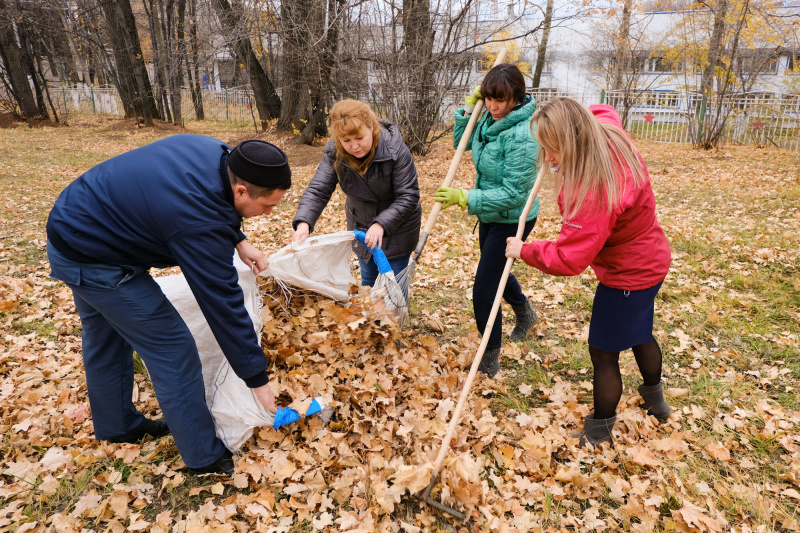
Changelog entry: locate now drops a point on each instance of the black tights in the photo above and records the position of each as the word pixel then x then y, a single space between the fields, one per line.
pixel 608 380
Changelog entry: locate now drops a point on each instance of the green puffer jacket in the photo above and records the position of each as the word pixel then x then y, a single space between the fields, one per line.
pixel 504 154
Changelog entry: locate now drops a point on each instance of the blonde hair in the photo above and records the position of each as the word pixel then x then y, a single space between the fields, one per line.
pixel 591 155
pixel 347 118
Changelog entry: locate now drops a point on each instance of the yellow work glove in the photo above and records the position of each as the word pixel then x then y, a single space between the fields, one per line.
pixel 472 99
pixel 448 196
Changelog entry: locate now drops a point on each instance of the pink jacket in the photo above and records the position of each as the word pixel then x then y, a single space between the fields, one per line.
pixel 626 248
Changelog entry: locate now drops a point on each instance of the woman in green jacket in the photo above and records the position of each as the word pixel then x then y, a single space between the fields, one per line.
pixel 504 153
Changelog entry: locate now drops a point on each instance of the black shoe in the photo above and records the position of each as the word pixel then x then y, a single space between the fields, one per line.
pixel 223 465
pixel 154 428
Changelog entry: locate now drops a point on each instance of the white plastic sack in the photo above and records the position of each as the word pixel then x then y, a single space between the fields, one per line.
pixel 233 405
pixel 321 265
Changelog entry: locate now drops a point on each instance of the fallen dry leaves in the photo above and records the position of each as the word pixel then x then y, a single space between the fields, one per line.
pixel 723 462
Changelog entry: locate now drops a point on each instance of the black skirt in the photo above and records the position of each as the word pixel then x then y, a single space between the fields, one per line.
pixel 621 319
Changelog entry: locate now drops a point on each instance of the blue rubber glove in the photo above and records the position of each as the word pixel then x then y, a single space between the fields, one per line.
pixel 285 415
pixel 448 196
pixel 472 99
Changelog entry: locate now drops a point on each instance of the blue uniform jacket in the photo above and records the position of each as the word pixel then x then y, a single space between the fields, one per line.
pixel 165 204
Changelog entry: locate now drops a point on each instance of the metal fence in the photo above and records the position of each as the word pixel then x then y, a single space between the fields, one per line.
pixel 234 105
pixel 661 116
pixel 664 116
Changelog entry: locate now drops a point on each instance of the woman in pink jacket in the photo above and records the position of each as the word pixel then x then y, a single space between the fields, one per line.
pixel 609 222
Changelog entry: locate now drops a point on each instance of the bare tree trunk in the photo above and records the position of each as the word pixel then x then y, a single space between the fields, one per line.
pixel 47 94
pixel 298 62
pixel 268 102
pixel 33 73
pixel 130 62
pixel 714 47
pixel 173 38
pixel 308 51
pixel 323 84
pixel 420 74
pixel 623 54
pixel 542 53
pixel 154 18
pixel 92 32
pixel 194 68
pixel 716 118
pixel 14 59
pixel 77 60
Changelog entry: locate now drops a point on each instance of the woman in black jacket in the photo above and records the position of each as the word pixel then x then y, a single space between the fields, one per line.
pixel 374 168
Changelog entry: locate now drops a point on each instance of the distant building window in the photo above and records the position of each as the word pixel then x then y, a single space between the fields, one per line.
pixel 662 64
pixel 758 64
pixel 660 98
pixel 756 98
pixel 772 66
pixel 642 62
pixel 790 65
pixel 639 63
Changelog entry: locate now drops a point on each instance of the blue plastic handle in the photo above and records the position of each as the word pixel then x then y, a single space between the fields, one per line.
pixel 286 415
pixel 377 254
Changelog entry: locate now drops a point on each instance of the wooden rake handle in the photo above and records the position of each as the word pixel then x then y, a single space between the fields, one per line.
pixel 451 172
pixel 486 334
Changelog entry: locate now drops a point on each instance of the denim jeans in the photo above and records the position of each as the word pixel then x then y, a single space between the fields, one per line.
pixel 369 271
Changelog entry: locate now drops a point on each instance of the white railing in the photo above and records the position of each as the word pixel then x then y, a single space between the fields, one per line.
pixel 749 119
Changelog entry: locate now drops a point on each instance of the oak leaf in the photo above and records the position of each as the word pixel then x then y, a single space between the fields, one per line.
pixel 718 451
pixel 696 518
pixel 673 446
pixel 55 459
pixel 322 521
pixel 642 456
pixel 87 502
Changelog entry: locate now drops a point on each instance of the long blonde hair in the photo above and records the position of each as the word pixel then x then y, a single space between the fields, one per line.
pixel 592 155
pixel 347 117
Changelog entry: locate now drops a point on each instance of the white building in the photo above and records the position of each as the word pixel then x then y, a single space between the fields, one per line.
pixel 581 51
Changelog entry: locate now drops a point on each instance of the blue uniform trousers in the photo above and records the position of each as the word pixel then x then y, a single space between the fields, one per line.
pixel 123 309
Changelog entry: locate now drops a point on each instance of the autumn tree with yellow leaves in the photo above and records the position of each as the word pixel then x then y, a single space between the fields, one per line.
pixel 730 43
pixel 507 39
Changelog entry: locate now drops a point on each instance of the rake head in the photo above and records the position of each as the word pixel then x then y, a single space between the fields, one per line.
pixel 426 497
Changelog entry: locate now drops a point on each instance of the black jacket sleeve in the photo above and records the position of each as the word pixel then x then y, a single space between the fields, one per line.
pixel 318 193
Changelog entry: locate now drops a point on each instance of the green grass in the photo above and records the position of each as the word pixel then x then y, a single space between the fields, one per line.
pixel 42 328
pixel 26 254
pixel 66 496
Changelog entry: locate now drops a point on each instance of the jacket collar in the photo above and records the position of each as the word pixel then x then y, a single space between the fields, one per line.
pixel 227 190
pixel 490 128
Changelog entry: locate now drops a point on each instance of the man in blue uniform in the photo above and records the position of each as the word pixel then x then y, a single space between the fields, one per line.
pixel 178 201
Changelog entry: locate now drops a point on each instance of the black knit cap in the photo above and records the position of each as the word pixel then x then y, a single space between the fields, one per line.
pixel 260 163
